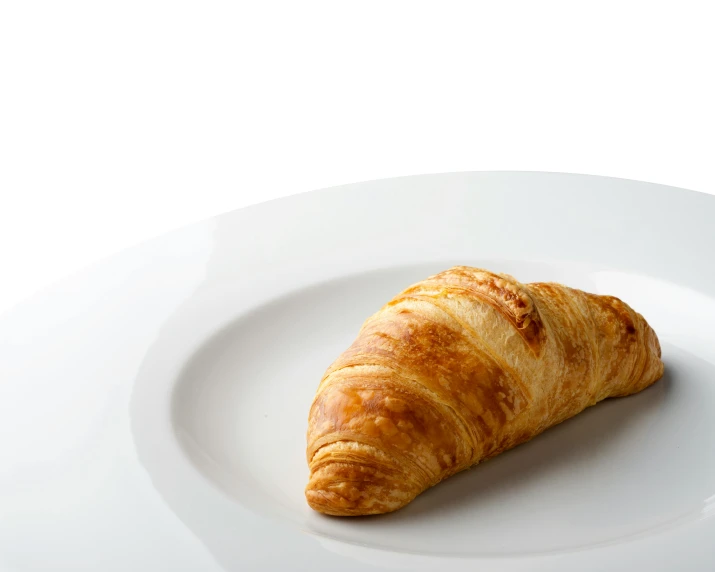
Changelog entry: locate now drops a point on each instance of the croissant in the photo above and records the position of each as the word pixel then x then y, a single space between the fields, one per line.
pixel 456 369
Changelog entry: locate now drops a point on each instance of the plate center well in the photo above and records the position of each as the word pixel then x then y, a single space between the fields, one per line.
pixel 622 468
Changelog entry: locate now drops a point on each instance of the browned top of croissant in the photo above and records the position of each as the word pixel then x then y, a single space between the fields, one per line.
pixel 456 369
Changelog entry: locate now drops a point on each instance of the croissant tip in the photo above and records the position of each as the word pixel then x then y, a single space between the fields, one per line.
pixel 345 490
pixel 330 503
pixel 333 503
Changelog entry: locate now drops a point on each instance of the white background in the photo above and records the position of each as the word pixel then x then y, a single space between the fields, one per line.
pixel 122 120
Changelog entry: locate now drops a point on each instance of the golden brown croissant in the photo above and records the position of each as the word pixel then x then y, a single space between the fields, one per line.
pixel 457 369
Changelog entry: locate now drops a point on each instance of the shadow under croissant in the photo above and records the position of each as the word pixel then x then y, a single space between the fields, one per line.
pixel 565 449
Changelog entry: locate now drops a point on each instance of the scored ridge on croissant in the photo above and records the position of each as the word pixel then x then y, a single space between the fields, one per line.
pixel 456 369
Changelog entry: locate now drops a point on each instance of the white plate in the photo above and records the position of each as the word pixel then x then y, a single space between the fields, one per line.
pixel 153 408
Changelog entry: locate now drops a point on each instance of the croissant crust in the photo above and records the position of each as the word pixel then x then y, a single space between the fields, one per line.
pixel 457 369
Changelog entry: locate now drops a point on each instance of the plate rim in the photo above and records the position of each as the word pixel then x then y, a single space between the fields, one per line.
pixel 158 244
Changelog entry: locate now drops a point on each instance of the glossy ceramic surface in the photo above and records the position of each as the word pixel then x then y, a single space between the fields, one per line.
pixel 153 408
